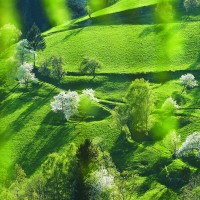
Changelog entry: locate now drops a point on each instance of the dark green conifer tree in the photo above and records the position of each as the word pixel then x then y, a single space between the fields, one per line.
pixel 36 40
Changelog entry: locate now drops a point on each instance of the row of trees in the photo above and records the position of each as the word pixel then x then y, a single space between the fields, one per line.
pixel 26 52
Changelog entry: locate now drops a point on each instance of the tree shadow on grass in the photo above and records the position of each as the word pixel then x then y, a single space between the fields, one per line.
pixel 151 29
pixel 5 95
pixel 196 64
pixel 25 116
pixel 73 33
pixel 47 139
pixel 122 151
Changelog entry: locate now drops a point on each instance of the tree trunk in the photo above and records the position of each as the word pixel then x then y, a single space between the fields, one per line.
pixel 34 60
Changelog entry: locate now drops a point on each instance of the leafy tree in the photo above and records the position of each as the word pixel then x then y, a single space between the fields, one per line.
pixel 111 2
pixel 192 143
pixel 188 81
pixel 25 74
pixel 53 67
pixel 23 52
pixel 9 35
pixel 58 171
pixel 140 103
pixel 20 178
pixel 36 40
pixel 44 69
pixel 57 70
pixel 90 66
pixel 77 7
pixel 191 5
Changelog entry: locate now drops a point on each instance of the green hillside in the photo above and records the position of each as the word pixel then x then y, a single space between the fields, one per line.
pixel 144 166
pixel 127 48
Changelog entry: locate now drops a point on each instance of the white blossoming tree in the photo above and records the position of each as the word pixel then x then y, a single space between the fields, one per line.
pixel 170 105
pixel 23 52
pixel 90 93
pixel 188 81
pixel 192 143
pixel 102 182
pixel 68 103
pixel 25 74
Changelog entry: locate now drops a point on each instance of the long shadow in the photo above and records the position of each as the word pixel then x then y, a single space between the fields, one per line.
pixel 11 105
pixel 25 116
pixel 196 64
pixel 6 95
pixel 73 33
pixel 122 151
pixel 154 77
pixel 48 139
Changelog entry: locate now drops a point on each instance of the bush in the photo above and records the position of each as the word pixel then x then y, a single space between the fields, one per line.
pixel 90 66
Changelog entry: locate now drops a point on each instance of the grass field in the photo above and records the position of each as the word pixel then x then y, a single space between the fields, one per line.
pixel 30 131
pixel 128 48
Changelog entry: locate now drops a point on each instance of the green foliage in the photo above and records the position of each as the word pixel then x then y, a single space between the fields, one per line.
pixel 191 5
pixel 77 7
pixel 90 66
pixel 36 40
pixel 53 67
pixel 9 35
pixel 140 104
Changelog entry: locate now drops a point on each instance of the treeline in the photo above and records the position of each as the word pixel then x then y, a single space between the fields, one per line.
pixel 82 173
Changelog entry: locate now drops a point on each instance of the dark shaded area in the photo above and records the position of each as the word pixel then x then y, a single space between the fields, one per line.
pixel 154 77
pixel 47 140
pixel 175 177
pixel 122 151
pixel 143 15
pixel 32 11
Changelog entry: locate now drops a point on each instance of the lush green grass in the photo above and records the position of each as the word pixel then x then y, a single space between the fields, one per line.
pixel 29 130
pixel 120 6
pixel 128 48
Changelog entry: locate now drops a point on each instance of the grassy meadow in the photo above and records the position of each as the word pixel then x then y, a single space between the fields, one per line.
pixel 159 53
